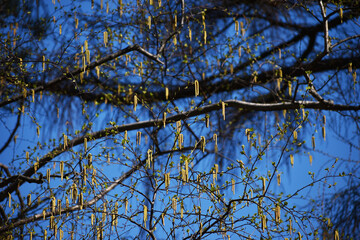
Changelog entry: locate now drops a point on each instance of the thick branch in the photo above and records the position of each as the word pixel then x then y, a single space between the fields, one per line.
pixel 325 105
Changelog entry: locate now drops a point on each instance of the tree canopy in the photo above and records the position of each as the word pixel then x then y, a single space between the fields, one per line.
pixel 155 119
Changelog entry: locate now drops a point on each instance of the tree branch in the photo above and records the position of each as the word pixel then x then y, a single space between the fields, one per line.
pixel 76 72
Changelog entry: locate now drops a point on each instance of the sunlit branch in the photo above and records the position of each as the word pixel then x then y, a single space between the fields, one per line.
pixel 241 105
pixel 326 28
pixel 91 66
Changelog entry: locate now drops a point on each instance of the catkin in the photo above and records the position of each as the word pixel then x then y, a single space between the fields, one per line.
pixel 48 175
pixel 149 22
pixel 174 204
pixel 85 144
pixel 203 143
pixel 197 90
pixel 223 109
pixel 216 145
pixel 135 102
pixel 233 185
pixel 237 27
pixel 264 184
pixel 166 93
pixel 313 142
pixel 105 38
pixel 263 222
pixel 164 119
pixel 62 170
pixel 278 179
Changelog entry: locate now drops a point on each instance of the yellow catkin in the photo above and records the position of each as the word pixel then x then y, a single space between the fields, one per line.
pixel 336 237
pixel 97 68
pixel 239 52
pixel 85 144
pixel 190 34
pixel 174 204
pixel 277 214
pixel 263 222
pixel 62 170
pixel 247 133
pixel 43 63
pixel 167 181
pixel 237 27
pixel 187 170
pixel 36 164
pixel 310 159
pixel 164 119
pixel 105 38
pixel 27 156
pixel 53 204
pixel 341 14
pixel 163 218
pixel 180 140
pixel 242 28
pixel 216 145
pixel 350 67
pixel 263 184
pixel 324 120
pixel 87 54
pixel 313 142
pixel 300 237
pixel 303 114
pixel 81 200
pixel 149 158
pixel 59 206
pixel 181 210
pixel 60 29
pixel 197 90
pixel 233 185
pixel 290 226
pixel 215 172
pixel 290 88
pixel 149 22
pixel 138 137
pixel 183 175
pixel 178 126
pixel 203 143
pixel 292 160
pixel 48 171
pixel 65 141
pixel 135 102
pixel 295 135
pixel 223 109
pixel 323 133
pixel 45 234
pixel 33 95
pixel 166 93
pixel 29 199
pixel 278 179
